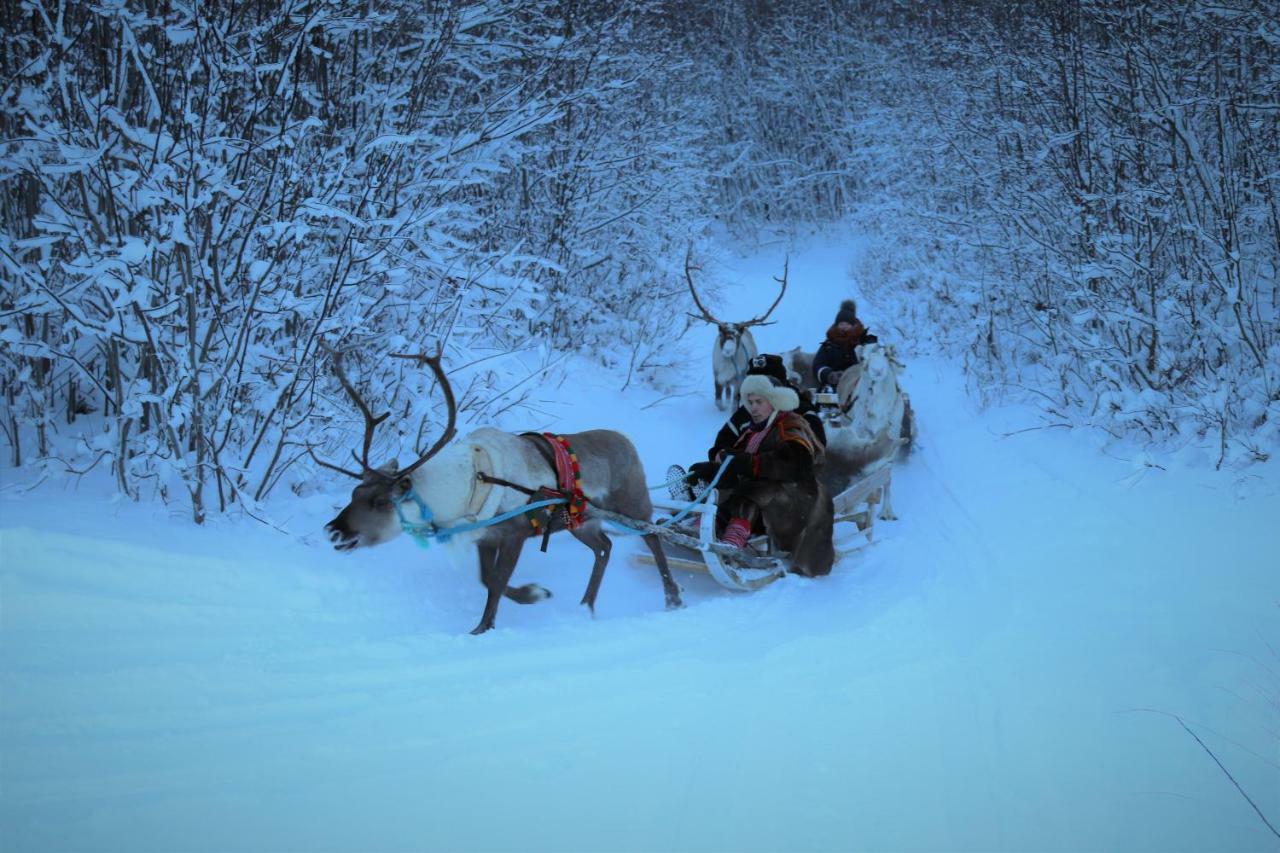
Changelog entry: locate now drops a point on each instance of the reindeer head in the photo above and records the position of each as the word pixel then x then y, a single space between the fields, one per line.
pixel 729 339
pixel 869 391
pixel 371 517
pixel 730 335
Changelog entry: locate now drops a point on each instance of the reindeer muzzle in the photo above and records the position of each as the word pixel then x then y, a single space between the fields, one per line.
pixel 342 539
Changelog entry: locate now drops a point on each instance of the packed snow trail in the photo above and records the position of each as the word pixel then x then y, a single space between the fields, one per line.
pixel 972 681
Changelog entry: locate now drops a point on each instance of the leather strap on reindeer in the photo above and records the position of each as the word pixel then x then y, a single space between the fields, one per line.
pixel 568 472
pixel 569 475
pixel 569 480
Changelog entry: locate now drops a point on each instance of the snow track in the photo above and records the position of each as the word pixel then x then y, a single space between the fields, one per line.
pixel 966 683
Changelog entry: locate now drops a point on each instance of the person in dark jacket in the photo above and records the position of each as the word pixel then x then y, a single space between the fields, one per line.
pixel 765 364
pixel 838 352
pixel 773 481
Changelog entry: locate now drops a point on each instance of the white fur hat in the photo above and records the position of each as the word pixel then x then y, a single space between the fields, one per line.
pixel 779 394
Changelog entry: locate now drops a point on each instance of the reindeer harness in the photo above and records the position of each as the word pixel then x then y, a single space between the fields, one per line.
pixel 568 474
pixel 570 494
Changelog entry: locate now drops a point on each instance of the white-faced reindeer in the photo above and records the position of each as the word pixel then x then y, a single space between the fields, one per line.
pixel 486 474
pixel 875 422
pixel 735 345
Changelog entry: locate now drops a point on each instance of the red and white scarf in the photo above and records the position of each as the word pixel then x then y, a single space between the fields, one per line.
pixel 758 433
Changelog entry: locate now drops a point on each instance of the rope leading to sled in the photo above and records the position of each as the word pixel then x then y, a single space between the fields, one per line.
pixel 688 508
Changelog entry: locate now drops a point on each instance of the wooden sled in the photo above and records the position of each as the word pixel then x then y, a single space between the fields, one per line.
pixel 690 544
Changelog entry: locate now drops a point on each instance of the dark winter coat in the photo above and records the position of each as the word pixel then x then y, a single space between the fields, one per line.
pixel 838 352
pixel 740 419
pixel 783 480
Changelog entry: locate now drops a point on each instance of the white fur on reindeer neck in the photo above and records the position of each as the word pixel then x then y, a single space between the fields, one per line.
pixel 446 484
pixel 456 497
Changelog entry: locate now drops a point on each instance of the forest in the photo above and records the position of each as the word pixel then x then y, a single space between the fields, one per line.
pixel 1078 200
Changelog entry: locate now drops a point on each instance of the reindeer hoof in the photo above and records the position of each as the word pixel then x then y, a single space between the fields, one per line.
pixel 528 594
pixel 480 629
pixel 674 603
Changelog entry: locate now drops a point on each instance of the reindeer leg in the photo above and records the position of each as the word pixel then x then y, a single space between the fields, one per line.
pixel 886 509
pixel 527 594
pixel 668 583
pixel 593 537
pixel 722 391
pixel 497 562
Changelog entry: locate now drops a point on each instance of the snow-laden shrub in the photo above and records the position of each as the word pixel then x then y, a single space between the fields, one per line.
pixel 195 198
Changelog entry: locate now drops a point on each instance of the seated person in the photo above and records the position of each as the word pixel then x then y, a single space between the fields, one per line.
pixel 773 483
pixel 765 364
pixel 837 353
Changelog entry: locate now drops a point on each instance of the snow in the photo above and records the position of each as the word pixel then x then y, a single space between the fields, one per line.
pixel 1000 670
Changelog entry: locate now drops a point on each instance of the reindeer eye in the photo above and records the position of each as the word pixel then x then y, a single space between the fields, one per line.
pixel 382 503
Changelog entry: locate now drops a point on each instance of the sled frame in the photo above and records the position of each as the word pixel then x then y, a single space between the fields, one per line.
pixel 856 503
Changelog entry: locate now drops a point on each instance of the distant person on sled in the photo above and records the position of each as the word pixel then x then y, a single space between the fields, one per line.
pixel 772 483
pixel 838 352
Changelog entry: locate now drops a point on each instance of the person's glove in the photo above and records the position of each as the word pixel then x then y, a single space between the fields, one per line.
pixel 703 471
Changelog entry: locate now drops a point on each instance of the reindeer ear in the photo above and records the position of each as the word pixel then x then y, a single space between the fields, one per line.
pixel 403 485
pixel 390 467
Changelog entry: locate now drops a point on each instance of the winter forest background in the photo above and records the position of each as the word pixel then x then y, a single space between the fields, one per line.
pixel 1078 200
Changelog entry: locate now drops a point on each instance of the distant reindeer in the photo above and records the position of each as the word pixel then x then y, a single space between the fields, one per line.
pixel 735 346
pixel 799 364
pixel 487 474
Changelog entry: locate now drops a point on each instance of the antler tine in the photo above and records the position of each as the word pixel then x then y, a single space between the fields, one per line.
pixel 760 321
pixel 331 466
pixel 706 315
pixel 370 422
pixel 434 362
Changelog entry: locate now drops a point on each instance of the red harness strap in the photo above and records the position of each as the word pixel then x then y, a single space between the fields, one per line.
pixel 569 480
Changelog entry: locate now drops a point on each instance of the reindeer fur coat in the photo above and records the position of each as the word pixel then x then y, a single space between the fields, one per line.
pixel 783 479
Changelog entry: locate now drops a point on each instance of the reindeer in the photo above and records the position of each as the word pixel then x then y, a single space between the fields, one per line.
pixel 799 363
pixel 875 423
pixel 735 345
pixel 486 474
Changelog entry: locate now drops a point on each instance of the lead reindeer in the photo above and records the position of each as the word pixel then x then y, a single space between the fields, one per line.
pixel 486 474
pixel 735 345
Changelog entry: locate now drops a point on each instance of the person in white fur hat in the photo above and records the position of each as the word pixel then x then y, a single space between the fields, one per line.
pixel 769 365
pixel 773 481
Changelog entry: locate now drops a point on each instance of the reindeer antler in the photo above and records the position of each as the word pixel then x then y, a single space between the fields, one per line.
pixel 706 315
pixel 433 361
pixel 370 422
pixel 331 466
pixel 760 321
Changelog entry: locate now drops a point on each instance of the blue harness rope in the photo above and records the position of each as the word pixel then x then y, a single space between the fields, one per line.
pixel 425 530
pixel 688 508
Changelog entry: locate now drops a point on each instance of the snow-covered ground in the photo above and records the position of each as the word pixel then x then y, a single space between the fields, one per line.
pixel 1004 669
